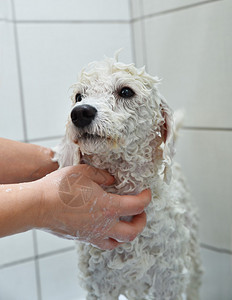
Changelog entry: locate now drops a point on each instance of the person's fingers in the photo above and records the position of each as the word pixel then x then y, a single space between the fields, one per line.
pixel 127 231
pixel 133 205
pixel 96 175
pixel 106 244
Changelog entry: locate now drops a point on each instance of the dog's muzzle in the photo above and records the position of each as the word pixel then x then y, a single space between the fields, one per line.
pixel 83 115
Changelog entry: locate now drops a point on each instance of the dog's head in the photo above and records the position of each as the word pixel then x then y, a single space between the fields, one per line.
pixel 117 108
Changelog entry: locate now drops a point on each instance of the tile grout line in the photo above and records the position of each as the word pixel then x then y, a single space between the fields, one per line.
pixel 45 138
pixel 206 128
pixel 215 249
pixel 37 269
pixel 144 44
pixel 173 10
pixel 131 20
pixel 72 21
pixel 132 39
pixel 39 256
pixel 17 262
pixel 6 20
pixel 19 71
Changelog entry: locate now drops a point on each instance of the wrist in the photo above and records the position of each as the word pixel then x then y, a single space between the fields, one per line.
pixel 35 196
pixel 44 207
pixel 44 161
pixel 20 204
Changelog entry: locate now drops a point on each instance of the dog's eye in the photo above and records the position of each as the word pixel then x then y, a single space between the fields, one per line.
pixel 78 97
pixel 126 92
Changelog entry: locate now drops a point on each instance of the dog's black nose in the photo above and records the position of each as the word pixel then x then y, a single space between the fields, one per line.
pixel 83 115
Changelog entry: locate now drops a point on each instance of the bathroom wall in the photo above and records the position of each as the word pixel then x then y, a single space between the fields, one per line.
pixel 189 44
pixel 43 45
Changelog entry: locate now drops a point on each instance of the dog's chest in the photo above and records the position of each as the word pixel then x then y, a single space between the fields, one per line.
pixel 131 177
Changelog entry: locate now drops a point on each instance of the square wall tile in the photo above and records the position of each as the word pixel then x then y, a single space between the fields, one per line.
pixel 217 276
pixel 205 157
pixel 191 50
pixel 16 247
pixel 59 277
pixel 11 125
pixel 72 10
pixel 18 282
pixel 51 57
pixel 157 6
pixel 47 242
pixel 5 10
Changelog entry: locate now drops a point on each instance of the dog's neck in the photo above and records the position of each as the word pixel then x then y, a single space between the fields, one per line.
pixel 133 171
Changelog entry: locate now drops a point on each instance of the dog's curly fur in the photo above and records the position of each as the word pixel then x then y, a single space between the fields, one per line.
pixel 133 139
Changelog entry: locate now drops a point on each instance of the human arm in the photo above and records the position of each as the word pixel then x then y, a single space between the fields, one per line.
pixel 70 203
pixel 22 162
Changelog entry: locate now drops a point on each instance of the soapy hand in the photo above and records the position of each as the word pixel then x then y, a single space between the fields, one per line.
pixel 75 206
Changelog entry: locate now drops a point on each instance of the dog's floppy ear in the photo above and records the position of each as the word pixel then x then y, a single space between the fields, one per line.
pixel 167 135
pixel 66 153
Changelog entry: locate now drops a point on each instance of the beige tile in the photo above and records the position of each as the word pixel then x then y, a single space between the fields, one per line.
pixel 72 10
pixel 191 51
pixel 206 158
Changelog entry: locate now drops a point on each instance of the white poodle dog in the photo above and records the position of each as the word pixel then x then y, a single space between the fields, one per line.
pixel 120 122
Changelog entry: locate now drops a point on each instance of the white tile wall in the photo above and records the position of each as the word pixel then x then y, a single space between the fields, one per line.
pixel 206 158
pixel 59 277
pixel 51 56
pixel 139 41
pixel 77 10
pixel 11 125
pixel 191 50
pixel 157 6
pixel 190 47
pixel 217 276
pixel 49 243
pixel 50 143
pixel 136 11
pixel 16 247
pixel 5 10
pixel 18 282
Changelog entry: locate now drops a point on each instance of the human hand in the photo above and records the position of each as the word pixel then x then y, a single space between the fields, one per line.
pixel 74 206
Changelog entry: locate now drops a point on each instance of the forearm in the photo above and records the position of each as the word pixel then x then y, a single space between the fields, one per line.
pixel 19 208
pixel 20 162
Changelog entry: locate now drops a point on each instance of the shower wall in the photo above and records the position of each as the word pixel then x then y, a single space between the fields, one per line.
pixel 44 44
pixel 189 44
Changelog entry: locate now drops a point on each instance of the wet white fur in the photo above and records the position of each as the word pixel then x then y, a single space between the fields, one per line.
pixel 137 147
